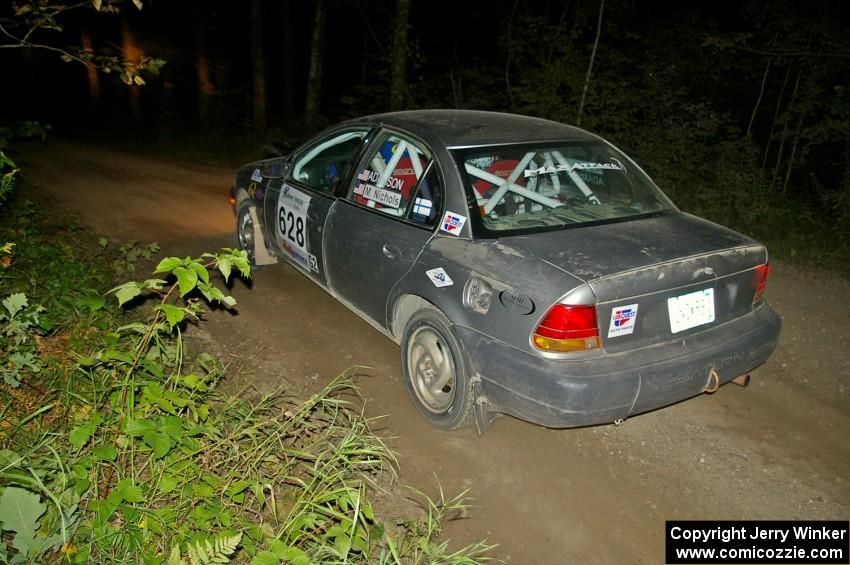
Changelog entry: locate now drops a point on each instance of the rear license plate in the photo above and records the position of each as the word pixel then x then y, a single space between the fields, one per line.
pixel 691 310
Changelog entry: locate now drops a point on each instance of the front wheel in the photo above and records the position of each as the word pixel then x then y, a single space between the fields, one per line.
pixel 435 371
pixel 246 231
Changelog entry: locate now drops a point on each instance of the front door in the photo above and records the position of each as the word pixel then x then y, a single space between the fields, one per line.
pixel 299 207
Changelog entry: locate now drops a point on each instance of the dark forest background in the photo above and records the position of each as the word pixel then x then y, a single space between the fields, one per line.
pixel 740 111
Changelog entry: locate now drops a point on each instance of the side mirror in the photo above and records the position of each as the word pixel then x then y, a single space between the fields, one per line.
pixel 276 149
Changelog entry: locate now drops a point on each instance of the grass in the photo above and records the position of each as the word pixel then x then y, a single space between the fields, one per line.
pixel 116 446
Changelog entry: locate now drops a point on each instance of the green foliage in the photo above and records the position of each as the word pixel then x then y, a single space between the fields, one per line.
pixel 39 16
pixel 416 541
pixel 131 453
pixel 126 256
pixel 20 325
pixel 8 172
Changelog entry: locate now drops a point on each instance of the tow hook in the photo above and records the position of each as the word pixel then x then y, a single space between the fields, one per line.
pixel 713 382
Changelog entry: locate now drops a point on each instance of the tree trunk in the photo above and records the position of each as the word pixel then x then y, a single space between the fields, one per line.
pixel 288 62
pixel 775 117
pixel 314 76
pixel 590 64
pixel 457 89
pixel 132 54
pixel 258 66
pixel 510 55
pixel 785 131
pixel 793 155
pixel 398 58
pixel 202 64
pixel 758 100
pixel 91 70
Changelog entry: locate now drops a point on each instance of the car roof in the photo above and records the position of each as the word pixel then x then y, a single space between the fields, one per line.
pixel 472 128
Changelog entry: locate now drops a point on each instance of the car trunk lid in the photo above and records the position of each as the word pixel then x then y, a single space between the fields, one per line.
pixel 658 278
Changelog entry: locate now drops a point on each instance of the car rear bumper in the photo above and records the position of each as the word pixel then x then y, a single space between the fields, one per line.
pixel 569 393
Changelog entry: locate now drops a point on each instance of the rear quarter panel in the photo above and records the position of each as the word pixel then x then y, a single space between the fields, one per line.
pixel 508 271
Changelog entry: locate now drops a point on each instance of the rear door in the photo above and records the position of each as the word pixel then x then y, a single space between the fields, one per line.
pixel 296 210
pixel 376 232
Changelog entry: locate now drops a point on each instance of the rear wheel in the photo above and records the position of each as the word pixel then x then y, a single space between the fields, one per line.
pixel 435 370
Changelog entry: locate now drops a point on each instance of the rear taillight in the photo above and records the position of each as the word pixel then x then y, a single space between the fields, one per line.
pixel 567 328
pixel 760 280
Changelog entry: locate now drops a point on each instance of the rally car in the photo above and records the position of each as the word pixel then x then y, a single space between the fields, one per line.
pixel 525 267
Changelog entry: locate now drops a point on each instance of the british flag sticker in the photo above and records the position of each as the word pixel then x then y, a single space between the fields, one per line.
pixel 622 320
pixel 452 223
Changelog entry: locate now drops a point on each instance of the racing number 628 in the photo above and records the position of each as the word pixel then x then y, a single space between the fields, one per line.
pixel 296 225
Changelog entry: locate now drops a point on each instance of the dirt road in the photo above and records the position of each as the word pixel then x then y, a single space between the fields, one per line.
pixel 778 449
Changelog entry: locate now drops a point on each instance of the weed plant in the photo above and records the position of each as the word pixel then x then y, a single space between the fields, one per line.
pixel 115 446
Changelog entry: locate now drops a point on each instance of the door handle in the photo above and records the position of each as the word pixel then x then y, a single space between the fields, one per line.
pixel 391 251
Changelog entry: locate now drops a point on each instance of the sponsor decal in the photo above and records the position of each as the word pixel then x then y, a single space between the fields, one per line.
pixel 422 206
pixel 382 196
pixel 439 277
pixel 623 320
pixel 482 162
pixel 452 223
pixel 257 176
pixel 570 168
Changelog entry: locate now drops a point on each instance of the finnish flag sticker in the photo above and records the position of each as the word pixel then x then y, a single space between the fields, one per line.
pixel 622 320
pixel 422 206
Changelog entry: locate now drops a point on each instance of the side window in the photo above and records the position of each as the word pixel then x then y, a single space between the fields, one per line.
pixel 322 165
pixel 388 177
pixel 428 199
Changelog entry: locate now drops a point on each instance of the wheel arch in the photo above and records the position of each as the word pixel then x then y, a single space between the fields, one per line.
pixel 404 307
pixel 240 195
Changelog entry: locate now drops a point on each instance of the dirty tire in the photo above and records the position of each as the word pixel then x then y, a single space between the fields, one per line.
pixel 245 232
pixel 435 370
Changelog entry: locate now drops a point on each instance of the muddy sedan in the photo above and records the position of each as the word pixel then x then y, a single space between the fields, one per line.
pixel 524 266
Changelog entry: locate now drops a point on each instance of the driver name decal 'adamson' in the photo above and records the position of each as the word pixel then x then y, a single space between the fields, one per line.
pixel 292 206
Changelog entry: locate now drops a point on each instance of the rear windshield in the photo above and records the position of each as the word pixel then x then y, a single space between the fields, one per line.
pixel 534 188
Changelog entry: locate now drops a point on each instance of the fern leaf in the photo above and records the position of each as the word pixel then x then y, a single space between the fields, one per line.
pixel 203 552
pixel 175 558
pixel 227 545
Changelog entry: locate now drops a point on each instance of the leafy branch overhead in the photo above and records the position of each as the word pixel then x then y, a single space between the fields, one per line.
pixel 32 22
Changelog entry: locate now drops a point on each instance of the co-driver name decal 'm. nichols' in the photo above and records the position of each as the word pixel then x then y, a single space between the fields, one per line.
pixel 382 196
